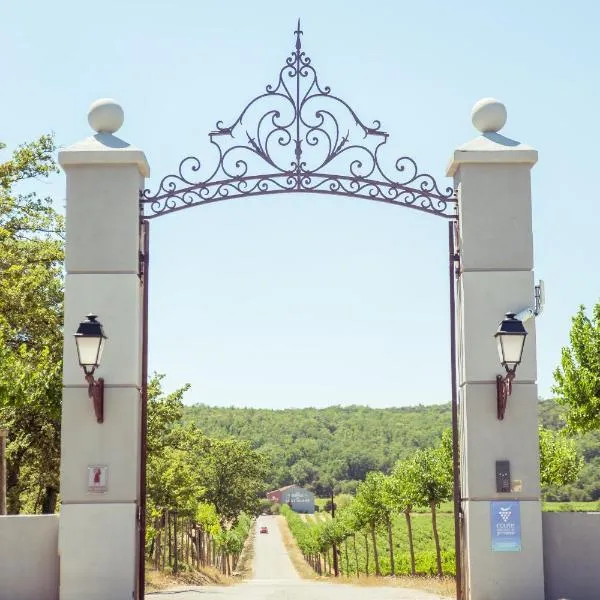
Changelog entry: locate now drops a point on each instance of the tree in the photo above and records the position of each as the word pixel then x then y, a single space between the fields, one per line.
pixel 432 485
pixel 578 376
pixel 233 475
pixel 371 505
pixel 31 295
pixel 560 464
pixel 403 496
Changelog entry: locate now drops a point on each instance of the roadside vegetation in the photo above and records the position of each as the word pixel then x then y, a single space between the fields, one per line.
pixel 202 493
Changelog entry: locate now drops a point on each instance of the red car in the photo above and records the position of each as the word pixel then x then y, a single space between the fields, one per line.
pixel 264 529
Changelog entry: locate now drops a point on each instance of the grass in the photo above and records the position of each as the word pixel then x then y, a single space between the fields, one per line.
pixel 571 506
pixel 161 580
pixel 443 586
pixel 243 569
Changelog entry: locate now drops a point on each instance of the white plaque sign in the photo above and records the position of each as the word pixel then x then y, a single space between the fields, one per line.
pixel 97 479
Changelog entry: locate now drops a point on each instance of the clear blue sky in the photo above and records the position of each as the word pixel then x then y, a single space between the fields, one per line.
pixel 295 300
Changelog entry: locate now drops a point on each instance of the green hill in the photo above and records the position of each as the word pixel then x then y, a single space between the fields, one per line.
pixel 315 447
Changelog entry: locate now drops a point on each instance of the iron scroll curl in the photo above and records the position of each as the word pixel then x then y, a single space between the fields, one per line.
pixel 298 137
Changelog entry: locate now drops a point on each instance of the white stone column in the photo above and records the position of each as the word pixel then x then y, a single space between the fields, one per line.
pixel 493 176
pixel 98 531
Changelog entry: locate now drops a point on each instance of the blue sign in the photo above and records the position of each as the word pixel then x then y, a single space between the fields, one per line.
pixel 506 526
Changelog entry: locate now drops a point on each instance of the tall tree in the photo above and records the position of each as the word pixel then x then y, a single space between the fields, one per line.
pixel 402 494
pixel 432 485
pixel 233 475
pixel 371 505
pixel 578 376
pixel 560 464
pixel 31 284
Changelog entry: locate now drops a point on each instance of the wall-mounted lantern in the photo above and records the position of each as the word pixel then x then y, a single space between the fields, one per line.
pixel 90 340
pixel 510 338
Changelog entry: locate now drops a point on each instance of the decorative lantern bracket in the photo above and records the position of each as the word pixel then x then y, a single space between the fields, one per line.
pixel 298 137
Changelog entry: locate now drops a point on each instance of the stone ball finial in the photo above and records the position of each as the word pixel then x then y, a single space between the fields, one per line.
pixel 105 115
pixel 488 115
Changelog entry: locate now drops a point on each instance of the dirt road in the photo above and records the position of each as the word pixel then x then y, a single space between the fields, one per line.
pixel 276 579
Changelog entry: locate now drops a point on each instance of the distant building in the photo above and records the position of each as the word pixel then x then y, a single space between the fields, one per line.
pixel 299 499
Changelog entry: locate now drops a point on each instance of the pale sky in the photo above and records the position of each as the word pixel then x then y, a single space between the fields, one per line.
pixel 292 300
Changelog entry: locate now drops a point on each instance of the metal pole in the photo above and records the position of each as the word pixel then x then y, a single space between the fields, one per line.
pixel 3 434
pixel 455 448
pixel 336 569
pixel 144 264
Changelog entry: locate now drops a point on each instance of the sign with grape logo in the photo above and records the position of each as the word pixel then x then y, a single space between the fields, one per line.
pixel 506 526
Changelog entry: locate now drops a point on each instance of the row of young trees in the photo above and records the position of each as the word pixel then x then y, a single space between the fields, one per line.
pixel 423 480
pixel 209 488
pixel 183 543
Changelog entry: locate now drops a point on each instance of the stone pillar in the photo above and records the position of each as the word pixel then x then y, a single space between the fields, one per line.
pixel 492 174
pixel 98 529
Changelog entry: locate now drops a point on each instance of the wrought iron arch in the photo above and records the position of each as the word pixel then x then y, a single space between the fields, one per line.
pixel 298 137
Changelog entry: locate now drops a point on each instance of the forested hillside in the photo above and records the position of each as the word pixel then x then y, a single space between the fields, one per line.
pixel 318 446
pixel 339 445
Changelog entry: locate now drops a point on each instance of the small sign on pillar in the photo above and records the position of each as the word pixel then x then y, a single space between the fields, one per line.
pixel 506 526
pixel 97 479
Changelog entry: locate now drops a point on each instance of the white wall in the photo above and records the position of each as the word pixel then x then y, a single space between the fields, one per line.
pixel 571 551
pixel 29 557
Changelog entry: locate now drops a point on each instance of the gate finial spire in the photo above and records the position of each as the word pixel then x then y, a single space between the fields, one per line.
pixel 298 33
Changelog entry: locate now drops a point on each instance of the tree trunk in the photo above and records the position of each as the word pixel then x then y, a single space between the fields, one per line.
pixel 347 560
pixel 391 544
pixel 175 549
pixel 169 540
pixel 366 555
pixel 436 537
pixel 411 546
pixel 355 556
pixel 375 552
pixel 336 568
pixel 13 489
pixel 165 544
pixel 49 500
pixel 3 434
pixel 158 537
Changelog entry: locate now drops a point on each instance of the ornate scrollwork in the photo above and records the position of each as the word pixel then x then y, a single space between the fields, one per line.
pixel 298 137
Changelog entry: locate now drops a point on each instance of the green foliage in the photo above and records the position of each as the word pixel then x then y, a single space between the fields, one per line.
pixel 198 476
pixel 322 447
pixel 342 442
pixel 560 463
pixel 578 376
pixel 314 537
pixel 231 541
pixel 587 445
pixel 31 283
pixel 233 475
pixel 430 481
pixel 370 506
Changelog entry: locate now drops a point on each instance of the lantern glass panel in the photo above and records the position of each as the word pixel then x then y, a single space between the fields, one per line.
pixel 89 350
pixel 510 349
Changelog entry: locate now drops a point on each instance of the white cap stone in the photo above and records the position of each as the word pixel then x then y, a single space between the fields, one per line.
pixel 105 115
pixel 488 115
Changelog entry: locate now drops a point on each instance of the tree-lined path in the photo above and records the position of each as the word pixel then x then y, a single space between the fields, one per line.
pixel 274 576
